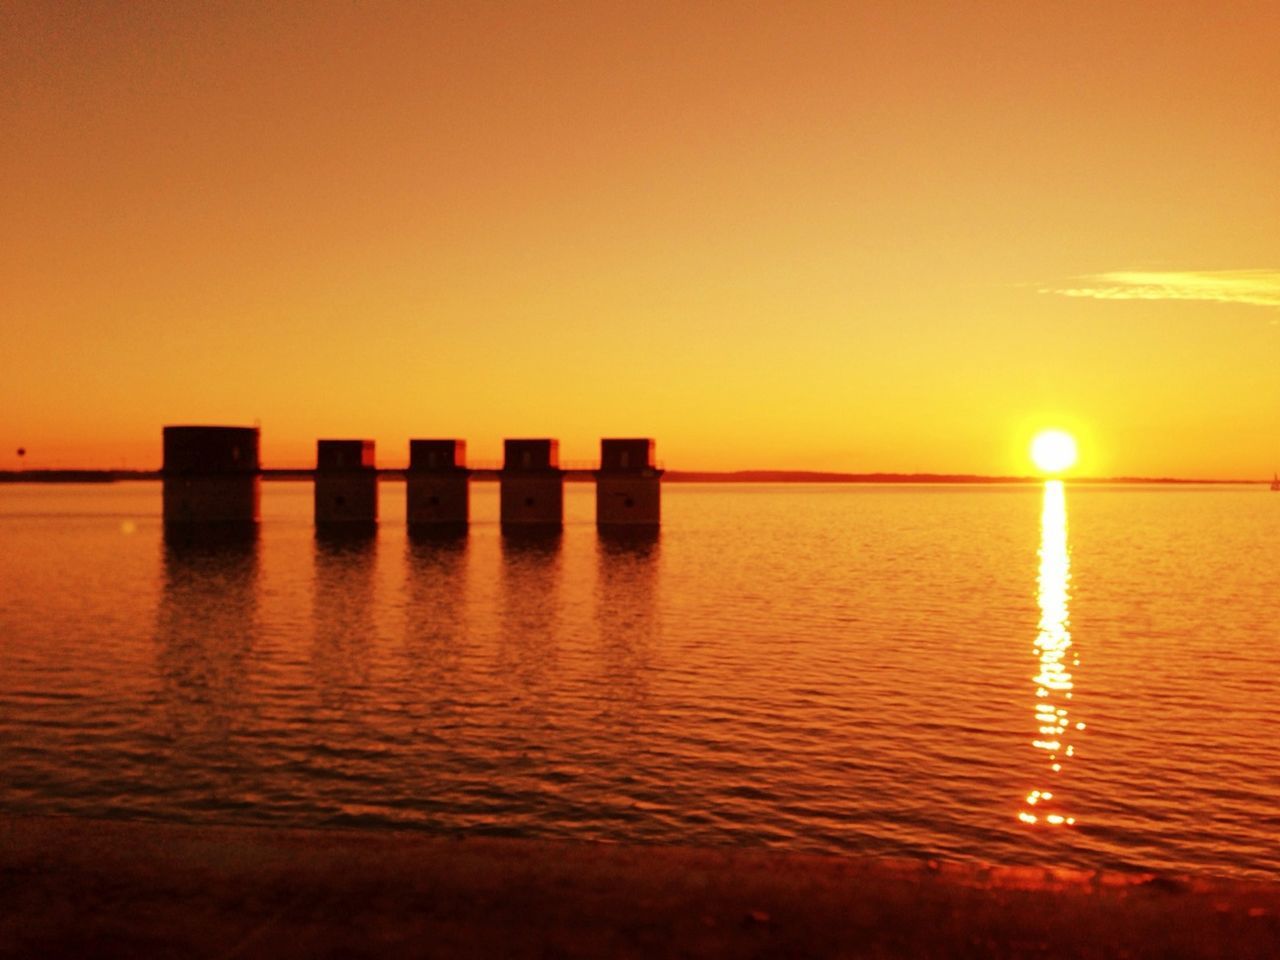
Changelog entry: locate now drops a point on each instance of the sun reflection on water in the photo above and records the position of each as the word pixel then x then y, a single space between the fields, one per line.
pixel 1053 683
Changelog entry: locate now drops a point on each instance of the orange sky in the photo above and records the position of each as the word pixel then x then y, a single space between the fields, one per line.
pixel 896 237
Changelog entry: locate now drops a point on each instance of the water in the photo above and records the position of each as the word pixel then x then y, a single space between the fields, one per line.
pixel 883 670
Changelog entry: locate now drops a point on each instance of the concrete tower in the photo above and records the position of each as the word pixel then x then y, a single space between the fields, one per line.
pixel 438 482
pixel 346 485
pixel 628 485
pixel 211 479
pixel 532 485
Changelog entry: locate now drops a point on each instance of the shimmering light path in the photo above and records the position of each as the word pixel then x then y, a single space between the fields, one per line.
pixel 1057 660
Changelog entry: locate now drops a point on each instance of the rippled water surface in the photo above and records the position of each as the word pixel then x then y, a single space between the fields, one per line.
pixel 1004 674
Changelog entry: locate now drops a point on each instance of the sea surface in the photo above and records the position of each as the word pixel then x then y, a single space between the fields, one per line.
pixel 1016 674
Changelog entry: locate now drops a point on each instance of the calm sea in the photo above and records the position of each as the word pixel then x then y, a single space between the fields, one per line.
pixel 1001 674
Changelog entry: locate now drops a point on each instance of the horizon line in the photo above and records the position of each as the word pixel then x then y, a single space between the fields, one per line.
pixel 753 475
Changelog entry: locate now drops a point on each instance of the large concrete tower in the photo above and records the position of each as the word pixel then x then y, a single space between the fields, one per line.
pixel 532 485
pixel 346 495
pixel 628 485
pixel 438 481
pixel 211 479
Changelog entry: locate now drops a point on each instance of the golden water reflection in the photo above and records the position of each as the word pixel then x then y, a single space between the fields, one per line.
pixel 1054 681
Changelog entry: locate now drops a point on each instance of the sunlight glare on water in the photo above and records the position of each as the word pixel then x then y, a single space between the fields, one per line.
pixel 1054 682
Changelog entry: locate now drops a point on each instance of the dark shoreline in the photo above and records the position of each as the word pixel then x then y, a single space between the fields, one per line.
pixel 670 476
pixel 75 887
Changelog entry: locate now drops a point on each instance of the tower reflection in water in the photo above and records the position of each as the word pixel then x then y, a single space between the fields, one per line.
pixel 1054 681
pixel 206 627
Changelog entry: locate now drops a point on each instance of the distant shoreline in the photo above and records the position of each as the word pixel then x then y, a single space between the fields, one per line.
pixel 670 476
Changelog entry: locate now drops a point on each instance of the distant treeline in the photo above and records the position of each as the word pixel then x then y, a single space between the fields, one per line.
pixel 814 476
pixel 671 476
pixel 818 476
pixel 75 476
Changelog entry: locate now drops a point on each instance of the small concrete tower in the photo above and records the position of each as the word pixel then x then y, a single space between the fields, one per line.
pixel 628 485
pixel 346 485
pixel 532 485
pixel 438 486
pixel 211 479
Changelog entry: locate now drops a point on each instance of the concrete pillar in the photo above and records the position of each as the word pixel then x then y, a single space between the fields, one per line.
pixel 346 485
pixel 531 485
pixel 628 485
pixel 210 480
pixel 438 486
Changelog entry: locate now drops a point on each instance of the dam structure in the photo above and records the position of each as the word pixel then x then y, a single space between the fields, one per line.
pixel 531 486
pixel 437 495
pixel 211 479
pixel 346 486
pixel 628 485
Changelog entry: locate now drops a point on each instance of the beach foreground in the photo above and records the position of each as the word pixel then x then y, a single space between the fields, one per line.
pixel 71 887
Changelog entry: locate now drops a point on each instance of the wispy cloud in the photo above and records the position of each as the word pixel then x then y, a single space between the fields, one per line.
pixel 1256 287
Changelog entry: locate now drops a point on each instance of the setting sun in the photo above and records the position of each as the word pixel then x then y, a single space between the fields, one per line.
pixel 1053 451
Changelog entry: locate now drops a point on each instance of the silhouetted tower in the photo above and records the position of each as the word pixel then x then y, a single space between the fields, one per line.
pixel 628 484
pixel 532 485
pixel 438 498
pixel 346 485
pixel 211 478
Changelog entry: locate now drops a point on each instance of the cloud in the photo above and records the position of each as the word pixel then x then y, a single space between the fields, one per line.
pixel 1255 287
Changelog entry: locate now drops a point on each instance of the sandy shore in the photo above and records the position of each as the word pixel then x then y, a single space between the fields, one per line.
pixel 120 889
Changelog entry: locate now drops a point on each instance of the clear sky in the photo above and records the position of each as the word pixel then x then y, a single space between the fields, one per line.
pixel 847 236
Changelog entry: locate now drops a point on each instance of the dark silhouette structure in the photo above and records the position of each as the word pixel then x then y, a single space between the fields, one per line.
pixel 628 485
pixel 346 486
pixel 211 480
pixel 531 491
pixel 438 497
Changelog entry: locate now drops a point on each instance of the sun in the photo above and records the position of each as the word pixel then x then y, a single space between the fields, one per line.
pixel 1053 451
